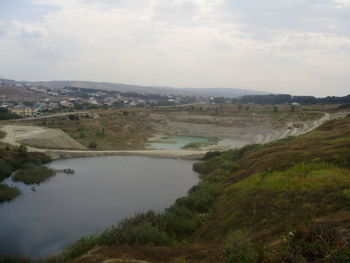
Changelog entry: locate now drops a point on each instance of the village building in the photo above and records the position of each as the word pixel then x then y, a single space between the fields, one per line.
pixel 24 111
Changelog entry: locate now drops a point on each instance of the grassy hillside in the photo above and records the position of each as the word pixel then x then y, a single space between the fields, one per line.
pixel 284 202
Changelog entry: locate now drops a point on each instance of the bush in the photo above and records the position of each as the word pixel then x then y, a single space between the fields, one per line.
pixel 142 234
pixel 5 169
pixel 179 222
pixel 211 155
pixel 201 199
pixel 239 249
pixel 93 145
pixel 22 149
pixel 316 242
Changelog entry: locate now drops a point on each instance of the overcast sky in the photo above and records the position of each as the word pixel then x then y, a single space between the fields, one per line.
pixel 281 46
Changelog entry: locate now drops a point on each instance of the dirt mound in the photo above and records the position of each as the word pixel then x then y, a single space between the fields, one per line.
pixel 39 137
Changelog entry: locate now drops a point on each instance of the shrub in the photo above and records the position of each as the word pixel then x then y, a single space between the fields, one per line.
pixel 239 249
pixel 211 155
pixel 22 149
pixel 93 145
pixel 142 234
pixel 201 199
pixel 316 242
pixel 5 169
pixel 80 247
pixel 179 222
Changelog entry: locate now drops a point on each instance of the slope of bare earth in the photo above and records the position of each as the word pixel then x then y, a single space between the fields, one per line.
pixel 131 129
pixel 234 131
pixel 17 94
pixel 39 137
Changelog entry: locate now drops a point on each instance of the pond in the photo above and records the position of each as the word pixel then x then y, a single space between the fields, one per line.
pixel 178 142
pixel 103 191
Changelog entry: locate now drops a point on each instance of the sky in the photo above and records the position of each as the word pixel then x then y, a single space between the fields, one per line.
pixel 299 47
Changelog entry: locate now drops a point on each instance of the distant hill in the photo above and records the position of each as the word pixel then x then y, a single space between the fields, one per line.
pixel 225 92
pixel 222 92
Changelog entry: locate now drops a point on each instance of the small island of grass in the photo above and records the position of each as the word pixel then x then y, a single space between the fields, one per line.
pixel 8 193
pixel 198 145
pixel 33 174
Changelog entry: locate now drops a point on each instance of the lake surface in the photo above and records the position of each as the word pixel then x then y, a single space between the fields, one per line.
pixel 176 142
pixel 102 191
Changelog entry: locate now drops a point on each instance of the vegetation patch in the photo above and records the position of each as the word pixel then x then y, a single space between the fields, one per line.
pixel 33 174
pixel 5 114
pixel 198 145
pixel 303 177
pixel 8 193
pixel 6 169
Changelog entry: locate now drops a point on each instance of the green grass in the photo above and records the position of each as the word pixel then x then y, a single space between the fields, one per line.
pixel 302 177
pixel 8 193
pixel 33 174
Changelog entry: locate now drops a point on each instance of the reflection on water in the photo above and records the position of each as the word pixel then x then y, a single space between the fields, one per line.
pixel 102 191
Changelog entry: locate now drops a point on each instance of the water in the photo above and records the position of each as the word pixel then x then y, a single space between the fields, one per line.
pixel 102 191
pixel 176 142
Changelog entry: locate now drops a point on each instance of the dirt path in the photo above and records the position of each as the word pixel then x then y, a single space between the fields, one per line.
pixel 52 116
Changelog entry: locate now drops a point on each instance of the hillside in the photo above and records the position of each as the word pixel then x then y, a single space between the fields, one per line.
pixel 226 92
pixel 283 202
pixel 17 93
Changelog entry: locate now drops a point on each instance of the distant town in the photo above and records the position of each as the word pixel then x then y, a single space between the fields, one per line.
pixel 24 99
pixel 48 100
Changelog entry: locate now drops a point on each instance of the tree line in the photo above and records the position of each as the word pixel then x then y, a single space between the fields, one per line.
pixel 287 99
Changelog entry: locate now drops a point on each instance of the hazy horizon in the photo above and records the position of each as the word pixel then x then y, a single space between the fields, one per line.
pixel 294 47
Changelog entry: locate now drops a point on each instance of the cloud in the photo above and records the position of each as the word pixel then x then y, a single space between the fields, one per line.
pixel 29 30
pixel 280 46
pixel 342 3
pixel 2 27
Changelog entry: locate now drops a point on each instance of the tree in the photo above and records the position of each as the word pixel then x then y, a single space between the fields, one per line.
pixel 22 149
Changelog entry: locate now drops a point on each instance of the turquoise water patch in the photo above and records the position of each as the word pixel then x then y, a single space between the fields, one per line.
pixel 179 142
